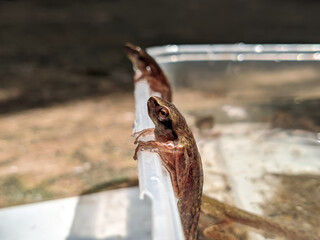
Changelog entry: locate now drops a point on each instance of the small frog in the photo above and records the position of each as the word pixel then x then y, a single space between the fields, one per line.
pixel 146 68
pixel 178 150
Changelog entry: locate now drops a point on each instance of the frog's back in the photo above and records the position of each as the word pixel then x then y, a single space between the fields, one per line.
pixel 190 202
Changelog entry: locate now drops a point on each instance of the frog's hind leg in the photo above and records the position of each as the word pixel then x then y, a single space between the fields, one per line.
pixel 214 232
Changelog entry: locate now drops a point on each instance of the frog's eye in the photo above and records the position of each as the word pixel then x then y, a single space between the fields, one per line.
pixel 163 113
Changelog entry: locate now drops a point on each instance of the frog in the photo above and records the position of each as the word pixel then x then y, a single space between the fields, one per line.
pixel 146 68
pixel 177 148
pixel 178 151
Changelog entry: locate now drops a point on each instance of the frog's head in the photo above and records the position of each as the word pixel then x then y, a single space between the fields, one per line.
pixel 166 116
pixel 139 58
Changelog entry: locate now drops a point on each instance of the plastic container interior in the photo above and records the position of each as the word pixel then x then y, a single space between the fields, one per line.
pixel 263 102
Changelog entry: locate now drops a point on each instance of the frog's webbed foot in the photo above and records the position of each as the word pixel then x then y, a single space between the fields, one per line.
pixel 142 133
pixel 215 232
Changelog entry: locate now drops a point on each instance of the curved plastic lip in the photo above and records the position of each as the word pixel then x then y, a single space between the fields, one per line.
pixel 235 52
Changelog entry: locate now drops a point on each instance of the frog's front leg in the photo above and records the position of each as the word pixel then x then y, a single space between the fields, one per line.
pixel 167 152
pixel 140 76
pixel 142 133
pixel 163 147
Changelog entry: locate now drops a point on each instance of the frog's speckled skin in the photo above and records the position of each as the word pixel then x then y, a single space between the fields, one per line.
pixel 177 148
pixel 145 67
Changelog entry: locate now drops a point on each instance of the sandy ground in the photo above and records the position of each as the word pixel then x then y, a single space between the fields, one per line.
pixel 66 149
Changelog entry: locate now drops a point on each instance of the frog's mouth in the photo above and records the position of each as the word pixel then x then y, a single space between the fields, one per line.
pixel 132 52
pixel 131 49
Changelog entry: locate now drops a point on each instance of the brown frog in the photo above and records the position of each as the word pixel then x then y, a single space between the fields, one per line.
pixel 177 148
pixel 146 68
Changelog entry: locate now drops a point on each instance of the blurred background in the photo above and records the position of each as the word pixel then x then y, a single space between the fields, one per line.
pixel 66 103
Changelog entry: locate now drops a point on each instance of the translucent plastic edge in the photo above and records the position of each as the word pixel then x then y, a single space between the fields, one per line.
pixel 236 52
pixel 154 181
